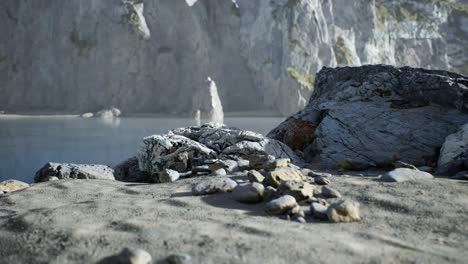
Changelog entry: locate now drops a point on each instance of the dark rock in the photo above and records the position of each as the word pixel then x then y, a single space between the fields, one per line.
pixel 74 171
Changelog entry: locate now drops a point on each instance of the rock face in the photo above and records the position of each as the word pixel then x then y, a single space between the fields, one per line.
pixel 454 153
pixel 195 148
pixel 74 171
pixel 263 54
pixel 207 101
pixel 375 115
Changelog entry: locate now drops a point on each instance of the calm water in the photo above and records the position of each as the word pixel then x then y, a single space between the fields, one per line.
pixel 26 144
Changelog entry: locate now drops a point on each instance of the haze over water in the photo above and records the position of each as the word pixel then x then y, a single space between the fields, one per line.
pixel 27 143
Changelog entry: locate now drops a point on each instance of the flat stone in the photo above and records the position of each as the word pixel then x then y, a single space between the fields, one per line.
pixel 249 193
pixel 321 180
pixel 274 178
pixel 300 190
pixel 255 176
pixel 214 186
pixel 280 205
pixel 74 171
pixel 404 174
pixel 329 192
pixel 318 210
pixel 168 175
pixel 12 185
pixel 343 211
pixel 180 258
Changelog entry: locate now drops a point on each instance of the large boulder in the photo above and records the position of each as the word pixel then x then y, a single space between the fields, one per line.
pixel 74 171
pixel 454 153
pixel 376 115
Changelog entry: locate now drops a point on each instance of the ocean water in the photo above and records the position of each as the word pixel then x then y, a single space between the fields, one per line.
pixel 27 143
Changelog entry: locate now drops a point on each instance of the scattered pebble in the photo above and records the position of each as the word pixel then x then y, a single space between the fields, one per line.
pixel 133 256
pixel 214 185
pixel 255 176
pixel 343 211
pixel 318 211
pixel 321 180
pixel 280 205
pixel 274 178
pixel 12 185
pixel 278 163
pixel 329 192
pixel 300 190
pixel 180 258
pixel 405 174
pixel 270 193
pixel 219 172
pixel 168 175
pixel 249 193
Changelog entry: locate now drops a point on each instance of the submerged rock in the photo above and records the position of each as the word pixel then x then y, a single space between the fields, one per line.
pixel 74 171
pixel 454 153
pixel 405 174
pixel 12 185
pixel 374 115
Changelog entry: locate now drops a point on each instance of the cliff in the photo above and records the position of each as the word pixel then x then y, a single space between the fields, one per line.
pixel 151 56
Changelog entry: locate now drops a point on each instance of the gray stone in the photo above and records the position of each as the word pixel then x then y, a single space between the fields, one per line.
pixel 329 192
pixel 12 185
pixel 243 164
pixel 270 193
pixel 402 114
pixel 74 171
pixel 280 205
pixel 167 175
pixel 405 174
pixel 249 193
pixel 319 210
pixel 215 185
pixel 258 162
pixel 454 153
pixel 255 176
pixel 180 258
pixel 321 180
pixel 300 190
pixel 343 211
pixel 298 218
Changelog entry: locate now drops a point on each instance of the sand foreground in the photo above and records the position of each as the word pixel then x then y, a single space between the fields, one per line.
pixel 84 221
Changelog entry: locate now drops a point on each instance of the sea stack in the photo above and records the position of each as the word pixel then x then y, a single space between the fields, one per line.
pixel 206 100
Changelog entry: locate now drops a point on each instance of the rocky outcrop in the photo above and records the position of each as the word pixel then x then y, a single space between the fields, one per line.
pixel 263 54
pixel 375 115
pixel 205 149
pixel 454 153
pixel 74 171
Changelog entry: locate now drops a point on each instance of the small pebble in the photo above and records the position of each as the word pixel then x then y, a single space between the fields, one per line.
pixel 249 193
pixel 280 205
pixel 134 256
pixel 321 180
pixel 180 258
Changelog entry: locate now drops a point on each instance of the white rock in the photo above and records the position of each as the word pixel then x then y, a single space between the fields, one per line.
pixel 12 185
pixel 405 174
pixel 280 205
pixel 249 193
pixel 214 185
